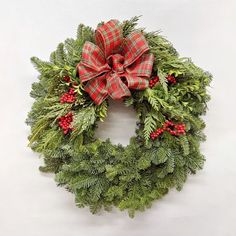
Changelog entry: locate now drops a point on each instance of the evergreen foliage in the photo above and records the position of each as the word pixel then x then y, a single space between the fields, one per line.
pixel 100 174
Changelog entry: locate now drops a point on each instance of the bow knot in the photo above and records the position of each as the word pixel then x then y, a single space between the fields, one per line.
pixel 116 62
pixel 114 65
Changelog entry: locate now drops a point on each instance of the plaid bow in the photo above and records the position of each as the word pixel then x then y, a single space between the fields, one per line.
pixel 115 64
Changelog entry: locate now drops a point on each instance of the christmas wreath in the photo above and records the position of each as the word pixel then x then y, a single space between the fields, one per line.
pixel 167 92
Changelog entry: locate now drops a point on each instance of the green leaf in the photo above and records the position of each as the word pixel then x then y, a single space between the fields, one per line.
pixel 83 120
pixel 161 156
pixel 184 144
pixel 85 33
pixel 152 99
pixel 43 67
pixel 102 110
pixel 128 101
pixel 111 172
pixel 143 163
pixel 84 182
pixel 149 125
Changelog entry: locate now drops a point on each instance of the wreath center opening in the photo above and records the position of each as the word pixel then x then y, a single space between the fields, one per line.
pixel 119 125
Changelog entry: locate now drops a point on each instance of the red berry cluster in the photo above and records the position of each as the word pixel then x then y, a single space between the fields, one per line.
pixel 65 122
pixel 68 97
pixel 153 81
pixel 169 126
pixel 67 79
pixel 156 133
pixel 174 129
pixel 171 79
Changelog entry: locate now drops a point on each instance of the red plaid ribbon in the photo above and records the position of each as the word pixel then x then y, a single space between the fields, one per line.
pixel 115 64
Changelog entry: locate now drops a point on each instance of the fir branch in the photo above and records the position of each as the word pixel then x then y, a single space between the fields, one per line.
pixel 163 81
pixel 149 125
pixel 85 33
pixel 129 25
pixel 83 120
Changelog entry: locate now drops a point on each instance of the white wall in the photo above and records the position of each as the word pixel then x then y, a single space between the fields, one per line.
pixel 30 202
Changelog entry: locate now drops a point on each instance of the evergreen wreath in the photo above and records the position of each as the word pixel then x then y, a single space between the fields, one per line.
pixel 169 97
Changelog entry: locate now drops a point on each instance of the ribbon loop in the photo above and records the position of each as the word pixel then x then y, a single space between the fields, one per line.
pixel 134 46
pixel 109 37
pixel 94 62
pixel 142 66
pixel 103 66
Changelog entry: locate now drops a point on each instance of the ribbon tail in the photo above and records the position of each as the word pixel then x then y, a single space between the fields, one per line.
pixel 135 82
pixel 97 89
pixel 116 87
pixel 135 45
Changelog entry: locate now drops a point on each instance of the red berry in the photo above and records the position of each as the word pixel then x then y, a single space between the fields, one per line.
pixel 66 78
pixel 153 81
pixel 68 97
pixel 156 78
pixel 65 122
pixel 171 79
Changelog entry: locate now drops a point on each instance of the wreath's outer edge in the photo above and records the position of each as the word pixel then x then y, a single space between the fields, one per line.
pixel 99 173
